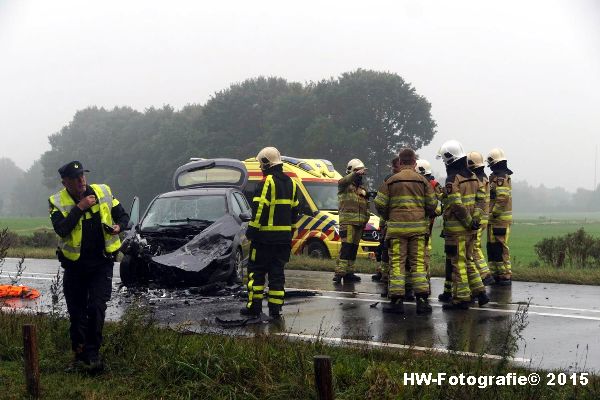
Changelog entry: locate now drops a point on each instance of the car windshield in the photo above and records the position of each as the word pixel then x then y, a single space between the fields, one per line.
pixel 323 194
pixel 184 210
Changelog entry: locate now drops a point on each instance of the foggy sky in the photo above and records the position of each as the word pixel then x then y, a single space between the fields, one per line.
pixel 522 75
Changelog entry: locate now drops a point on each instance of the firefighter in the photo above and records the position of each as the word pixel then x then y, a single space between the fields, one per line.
pixel 462 217
pixel 500 218
pixel 382 256
pixel 423 167
pixel 477 166
pixel 353 208
pixel 274 214
pixel 406 201
pixel 87 219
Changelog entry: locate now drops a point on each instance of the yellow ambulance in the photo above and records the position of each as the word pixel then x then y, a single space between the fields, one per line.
pixel 317 230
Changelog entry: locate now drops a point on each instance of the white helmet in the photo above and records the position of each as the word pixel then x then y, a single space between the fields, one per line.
pixel 423 167
pixel 354 165
pixel 475 160
pixel 268 157
pixel 451 151
pixel 496 155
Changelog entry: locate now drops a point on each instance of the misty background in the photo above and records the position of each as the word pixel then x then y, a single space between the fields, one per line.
pixel 133 80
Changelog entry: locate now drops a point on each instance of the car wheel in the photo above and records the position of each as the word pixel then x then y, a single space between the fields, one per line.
pixel 238 272
pixel 131 271
pixel 316 249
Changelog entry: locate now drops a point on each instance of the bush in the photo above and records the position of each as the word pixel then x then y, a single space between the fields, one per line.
pixel 577 249
pixel 40 239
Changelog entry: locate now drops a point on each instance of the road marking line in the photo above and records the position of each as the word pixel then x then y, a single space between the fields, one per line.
pixel 396 346
pixel 490 303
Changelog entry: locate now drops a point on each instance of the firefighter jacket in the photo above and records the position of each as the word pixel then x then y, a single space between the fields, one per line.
pixel 353 204
pixel 406 201
pixel 439 193
pixel 463 198
pixel 274 208
pixel 70 244
pixel 485 183
pixel 500 197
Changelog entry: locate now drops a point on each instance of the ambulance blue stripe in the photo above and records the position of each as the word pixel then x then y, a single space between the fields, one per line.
pixel 307 221
pixel 329 225
pixel 319 222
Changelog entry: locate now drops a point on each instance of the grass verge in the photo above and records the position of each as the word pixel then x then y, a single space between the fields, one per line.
pixel 147 362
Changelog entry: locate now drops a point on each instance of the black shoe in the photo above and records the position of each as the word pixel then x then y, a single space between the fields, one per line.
pixel 463 305
pixel 252 312
pixel 376 277
pixel 504 282
pixel 351 277
pixel 275 312
pixel 482 299
pixel 409 296
pixel 423 306
pixel 76 366
pixel 393 307
pixel 95 365
pixel 337 278
pixel 384 292
pixel 489 280
pixel 445 297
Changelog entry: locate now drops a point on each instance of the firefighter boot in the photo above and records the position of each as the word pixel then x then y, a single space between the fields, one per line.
pixel 351 277
pixel 482 299
pixel 423 306
pixel 395 306
pixel 275 311
pixel 253 311
pixel 445 297
pixel 489 280
pixel 410 295
pixel 376 277
pixel 337 278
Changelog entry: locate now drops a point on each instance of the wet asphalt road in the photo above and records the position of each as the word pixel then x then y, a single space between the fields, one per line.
pixel 562 332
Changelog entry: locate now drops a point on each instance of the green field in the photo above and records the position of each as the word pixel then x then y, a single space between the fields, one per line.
pixel 25 226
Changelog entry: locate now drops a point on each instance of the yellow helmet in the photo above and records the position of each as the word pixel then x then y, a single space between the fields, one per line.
pixel 354 165
pixel 496 155
pixel 423 167
pixel 451 151
pixel 268 157
pixel 475 159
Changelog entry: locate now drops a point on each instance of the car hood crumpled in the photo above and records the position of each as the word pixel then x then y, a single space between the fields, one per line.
pixel 212 244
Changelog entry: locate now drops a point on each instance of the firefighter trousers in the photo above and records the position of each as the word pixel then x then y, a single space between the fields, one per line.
pixel 498 251
pixel 466 281
pixel 478 256
pixel 407 264
pixel 87 289
pixel 350 236
pixel 267 259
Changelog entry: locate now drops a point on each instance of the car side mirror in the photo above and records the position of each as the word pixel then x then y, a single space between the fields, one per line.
pixel 245 217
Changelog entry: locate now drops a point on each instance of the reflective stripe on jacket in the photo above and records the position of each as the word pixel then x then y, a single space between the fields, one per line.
pixel 462 203
pixel 71 244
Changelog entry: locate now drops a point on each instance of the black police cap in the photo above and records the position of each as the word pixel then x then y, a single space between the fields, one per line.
pixel 72 170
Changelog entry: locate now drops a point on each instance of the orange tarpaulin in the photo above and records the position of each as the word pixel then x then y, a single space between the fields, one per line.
pixel 22 292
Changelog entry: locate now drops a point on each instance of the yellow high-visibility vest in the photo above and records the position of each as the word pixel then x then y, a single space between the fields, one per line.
pixel 71 244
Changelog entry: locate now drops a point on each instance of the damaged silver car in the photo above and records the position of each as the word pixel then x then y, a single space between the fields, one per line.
pixel 194 235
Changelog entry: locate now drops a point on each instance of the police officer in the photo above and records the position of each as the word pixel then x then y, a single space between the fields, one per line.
pixel 500 219
pixel 461 222
pixel 477 166
pixel 406 201
pixel 87 219
pixel 274 214
pixel 353 208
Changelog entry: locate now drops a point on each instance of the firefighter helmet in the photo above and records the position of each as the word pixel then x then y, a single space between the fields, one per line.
pixel 451 151
pixel 475 160
pixel 268 157
pixel 496 155
pixel 354 165
pixel 423 167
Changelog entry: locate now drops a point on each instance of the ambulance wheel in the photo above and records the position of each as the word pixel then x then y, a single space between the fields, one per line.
pixel 316 249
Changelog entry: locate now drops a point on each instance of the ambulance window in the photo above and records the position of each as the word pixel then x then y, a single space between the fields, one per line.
pixel 303 206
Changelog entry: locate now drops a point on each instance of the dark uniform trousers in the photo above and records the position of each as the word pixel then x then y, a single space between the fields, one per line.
pixel 87 288
pixel 267 259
